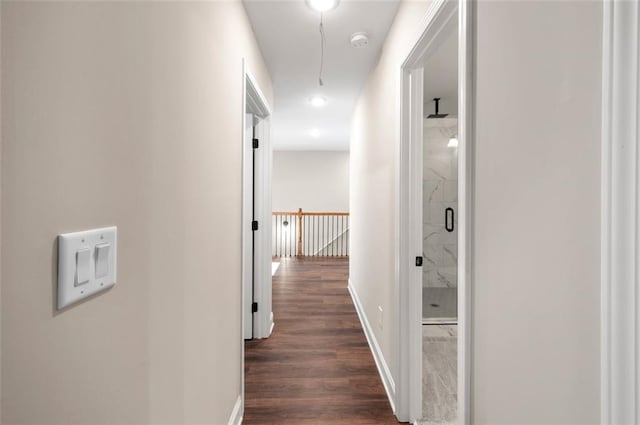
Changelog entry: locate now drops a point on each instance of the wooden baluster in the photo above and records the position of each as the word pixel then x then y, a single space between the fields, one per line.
pixel 299 253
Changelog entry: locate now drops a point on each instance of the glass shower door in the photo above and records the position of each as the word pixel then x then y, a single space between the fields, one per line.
pixel 440 207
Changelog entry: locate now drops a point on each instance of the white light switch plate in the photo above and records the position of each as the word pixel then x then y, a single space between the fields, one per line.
pixel 69 244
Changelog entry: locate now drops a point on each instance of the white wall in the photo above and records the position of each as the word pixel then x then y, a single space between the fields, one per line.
pixel 537 222
pixel 535 317
pixel 374 136
pixel 1 214
pixel 127 114
pixel 313 181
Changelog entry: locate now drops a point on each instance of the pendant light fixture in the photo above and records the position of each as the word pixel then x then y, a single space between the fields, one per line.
pixel 322 5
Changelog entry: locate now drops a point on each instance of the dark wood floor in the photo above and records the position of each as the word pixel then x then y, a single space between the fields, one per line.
pixel 316 368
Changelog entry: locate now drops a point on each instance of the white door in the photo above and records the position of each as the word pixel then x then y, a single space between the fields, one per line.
pixel 247 233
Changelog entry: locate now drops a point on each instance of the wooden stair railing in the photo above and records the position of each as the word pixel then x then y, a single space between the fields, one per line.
pixel 302 233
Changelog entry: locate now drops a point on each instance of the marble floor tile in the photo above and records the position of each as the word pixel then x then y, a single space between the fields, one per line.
pixel 439 382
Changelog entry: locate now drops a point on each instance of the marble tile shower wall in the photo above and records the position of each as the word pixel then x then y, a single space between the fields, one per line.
pixel 440 191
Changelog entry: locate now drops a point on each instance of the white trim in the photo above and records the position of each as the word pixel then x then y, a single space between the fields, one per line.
pixel 257 100
pixel 263 285
pixel 466 199
pixel 620 214
pixel 401 271
pixel 410 303
pixel 433 29
pixel 236 413
pixel 381 364
pixel 253 98
pixel 246 234
pixel 242 235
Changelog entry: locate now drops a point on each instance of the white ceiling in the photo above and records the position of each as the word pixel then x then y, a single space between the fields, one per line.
pixel 288 35
pixel 441 77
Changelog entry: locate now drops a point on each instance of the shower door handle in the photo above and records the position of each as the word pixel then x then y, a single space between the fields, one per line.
pixel 449 217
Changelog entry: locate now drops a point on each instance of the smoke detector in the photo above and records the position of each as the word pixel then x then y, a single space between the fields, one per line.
pixel 359 40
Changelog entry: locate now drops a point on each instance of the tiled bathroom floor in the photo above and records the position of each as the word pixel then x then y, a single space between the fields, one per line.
pixel 439 374
pixel 441 303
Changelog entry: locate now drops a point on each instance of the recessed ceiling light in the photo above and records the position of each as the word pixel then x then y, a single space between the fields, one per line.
pixel 315 133
pixel 318 101
pixel 323 5
pixel 453 143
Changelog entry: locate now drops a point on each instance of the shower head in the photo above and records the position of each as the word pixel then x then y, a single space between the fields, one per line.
pixel 437 114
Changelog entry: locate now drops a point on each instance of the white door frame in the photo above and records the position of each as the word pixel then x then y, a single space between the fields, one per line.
pixel 432 30
pixel 620 214
pixel 247 236
pixel 255 102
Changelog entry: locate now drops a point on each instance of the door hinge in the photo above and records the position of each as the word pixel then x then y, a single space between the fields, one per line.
pixel 254 225
pixel 254 307
pixel 256 143
pixel 419 261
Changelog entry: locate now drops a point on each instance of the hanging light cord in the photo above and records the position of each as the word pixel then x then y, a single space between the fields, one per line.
pixel 322 43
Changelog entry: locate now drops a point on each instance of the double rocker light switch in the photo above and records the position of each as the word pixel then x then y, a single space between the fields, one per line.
pixel 86 264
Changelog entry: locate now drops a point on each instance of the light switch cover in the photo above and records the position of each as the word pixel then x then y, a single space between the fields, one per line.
pixel 86 264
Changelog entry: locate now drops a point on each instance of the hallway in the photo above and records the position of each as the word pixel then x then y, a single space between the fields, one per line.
pixel 316 368
pixel 153 154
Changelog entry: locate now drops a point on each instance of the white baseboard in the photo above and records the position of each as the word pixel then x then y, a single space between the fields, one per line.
pixel 236 413
pixel 381 364
pixel 272 324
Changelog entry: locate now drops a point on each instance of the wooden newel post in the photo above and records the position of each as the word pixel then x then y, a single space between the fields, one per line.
pixel 299 251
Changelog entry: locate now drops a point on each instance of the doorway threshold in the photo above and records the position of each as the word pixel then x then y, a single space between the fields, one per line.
pixel 440 321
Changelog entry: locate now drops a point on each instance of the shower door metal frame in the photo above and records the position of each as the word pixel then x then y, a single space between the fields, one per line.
pixel 408 276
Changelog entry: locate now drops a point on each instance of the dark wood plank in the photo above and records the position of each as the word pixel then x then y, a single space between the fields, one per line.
pixel 316 368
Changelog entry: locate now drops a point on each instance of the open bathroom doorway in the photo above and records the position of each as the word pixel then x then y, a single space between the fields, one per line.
pixel 435 219
pixel 439 233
